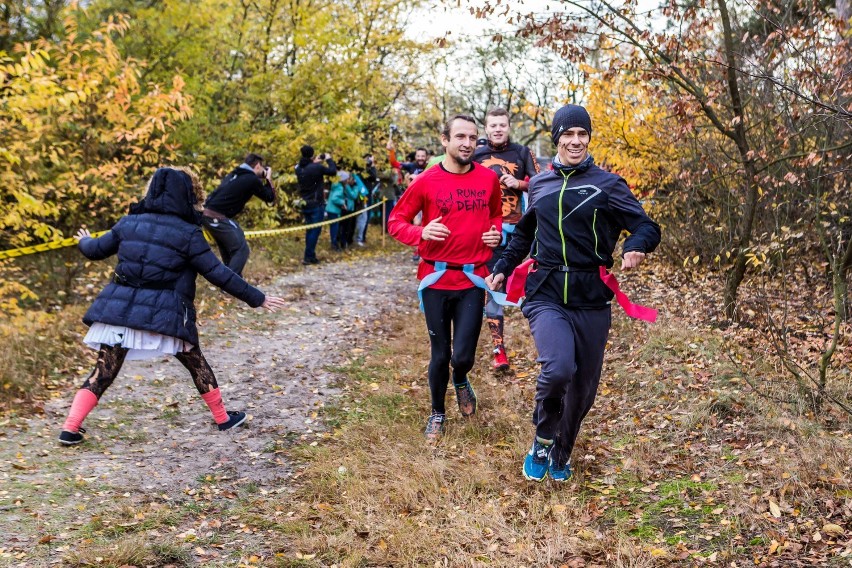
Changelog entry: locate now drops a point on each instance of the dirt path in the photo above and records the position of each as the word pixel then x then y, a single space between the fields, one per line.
pixel 153 437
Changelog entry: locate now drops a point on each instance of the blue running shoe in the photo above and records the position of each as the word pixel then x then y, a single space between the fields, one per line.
pixel 535 464
pixel 557 472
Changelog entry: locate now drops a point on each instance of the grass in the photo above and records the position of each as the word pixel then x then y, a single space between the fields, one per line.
pixel 676 465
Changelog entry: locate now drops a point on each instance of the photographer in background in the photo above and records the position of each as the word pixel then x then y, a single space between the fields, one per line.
pixel 310 172
pixel 228 200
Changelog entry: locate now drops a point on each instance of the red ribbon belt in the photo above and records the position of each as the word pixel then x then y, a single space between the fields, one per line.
pixel 518 279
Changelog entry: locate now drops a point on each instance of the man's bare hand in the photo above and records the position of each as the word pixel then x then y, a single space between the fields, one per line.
pixel 82 234
pixel 389 145
pixel 632 259
pixel 492 237
pixel 273 303
pixel 435 231
pixel 510 181
pixel 494 281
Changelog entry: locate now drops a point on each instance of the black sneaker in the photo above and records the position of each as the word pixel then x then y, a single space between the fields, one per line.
pixel 466 398
pixel 435 427
pixel 236 418
pixel 67 438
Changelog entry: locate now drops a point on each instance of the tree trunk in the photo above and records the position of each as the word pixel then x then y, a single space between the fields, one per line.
pixel 746 225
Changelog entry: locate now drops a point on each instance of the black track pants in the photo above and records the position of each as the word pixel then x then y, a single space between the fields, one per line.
pixel 454 319
pixel 570 347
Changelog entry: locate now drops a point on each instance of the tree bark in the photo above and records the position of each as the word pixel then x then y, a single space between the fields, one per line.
pixel 746 225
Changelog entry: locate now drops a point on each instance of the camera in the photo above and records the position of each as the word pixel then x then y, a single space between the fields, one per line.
pixel 394 128
pixel 323 156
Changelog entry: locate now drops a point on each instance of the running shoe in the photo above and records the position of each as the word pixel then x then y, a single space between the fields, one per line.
pixel 435 426
pixel 558 472
pixel 235 419
pixel 67 438
pixel 501 362
pixel 535 464
pixel 466 397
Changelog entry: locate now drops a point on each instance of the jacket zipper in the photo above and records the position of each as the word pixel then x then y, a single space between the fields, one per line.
pixel 595 233
pixel 562 237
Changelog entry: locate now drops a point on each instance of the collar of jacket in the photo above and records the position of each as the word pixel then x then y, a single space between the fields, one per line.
pixel 499 147
pixel 579 168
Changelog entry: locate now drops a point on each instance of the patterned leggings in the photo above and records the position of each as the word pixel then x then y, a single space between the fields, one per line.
pixel 111 358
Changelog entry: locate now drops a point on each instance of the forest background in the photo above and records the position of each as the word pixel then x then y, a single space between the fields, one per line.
pixel 732 121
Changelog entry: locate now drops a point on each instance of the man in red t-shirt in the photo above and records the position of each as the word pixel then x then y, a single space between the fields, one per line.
pixel 462 214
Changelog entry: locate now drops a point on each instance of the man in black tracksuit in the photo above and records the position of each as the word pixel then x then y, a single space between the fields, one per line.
pixel 575 216
pixel 515 165
pixel 227 201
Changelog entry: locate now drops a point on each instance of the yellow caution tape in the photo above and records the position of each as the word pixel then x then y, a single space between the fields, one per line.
pixel 71 241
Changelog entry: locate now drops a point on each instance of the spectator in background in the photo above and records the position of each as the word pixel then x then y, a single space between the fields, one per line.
pixel 350 199
pixel 413 167
pixel 361 203
pixel 310 173
pixel 251 178
pixel 334 208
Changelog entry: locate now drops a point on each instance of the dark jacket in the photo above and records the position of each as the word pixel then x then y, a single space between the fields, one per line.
pixel 236 189
pixel 573 222
pixel 161 249
pixel 310 175
pixel 515 160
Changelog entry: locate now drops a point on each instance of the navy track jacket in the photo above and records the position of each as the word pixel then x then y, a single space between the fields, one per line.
pixel 571 228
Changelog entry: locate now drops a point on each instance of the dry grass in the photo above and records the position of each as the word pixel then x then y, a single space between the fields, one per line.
pixel 677 465
pixel 38 350
pixel 133 550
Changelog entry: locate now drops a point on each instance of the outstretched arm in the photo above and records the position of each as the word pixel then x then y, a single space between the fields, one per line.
pixel 202 259
pixel 97 249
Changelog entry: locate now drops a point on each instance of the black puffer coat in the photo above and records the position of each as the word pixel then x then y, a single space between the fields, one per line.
pixel 161 249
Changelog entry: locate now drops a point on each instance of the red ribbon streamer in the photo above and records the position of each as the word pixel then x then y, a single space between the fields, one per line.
pixel 518 279
pixel 643 313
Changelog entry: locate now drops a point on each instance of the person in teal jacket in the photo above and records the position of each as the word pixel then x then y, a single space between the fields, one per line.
pixel 350 196
pixel 335 207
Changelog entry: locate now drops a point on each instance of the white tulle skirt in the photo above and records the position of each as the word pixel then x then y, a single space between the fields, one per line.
pixel 142 344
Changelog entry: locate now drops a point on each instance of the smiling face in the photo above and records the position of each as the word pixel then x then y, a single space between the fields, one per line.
pixel 421 158
pixel 461 142
pixel 497 129
pixel 573 146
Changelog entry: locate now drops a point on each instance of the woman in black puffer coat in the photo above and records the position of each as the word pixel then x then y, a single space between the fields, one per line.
pixel 147 310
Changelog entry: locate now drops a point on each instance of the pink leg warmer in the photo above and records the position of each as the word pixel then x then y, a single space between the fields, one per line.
pixel 84 401
pixel 217 407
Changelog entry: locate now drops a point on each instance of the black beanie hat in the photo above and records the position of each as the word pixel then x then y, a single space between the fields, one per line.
pixel 569 116
pixel 307 151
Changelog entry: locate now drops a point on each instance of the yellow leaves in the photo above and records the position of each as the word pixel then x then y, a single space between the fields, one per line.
pixel 774 509
pixel 832 530
pixel 57 117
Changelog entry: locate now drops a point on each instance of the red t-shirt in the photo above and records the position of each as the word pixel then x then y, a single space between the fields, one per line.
pixel 468 204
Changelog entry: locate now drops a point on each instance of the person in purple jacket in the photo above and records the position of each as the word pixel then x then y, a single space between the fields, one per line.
pixel 575 216
pixel 147 309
